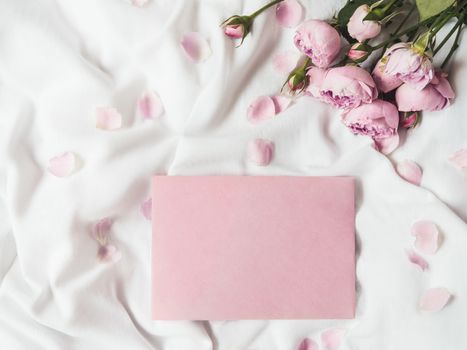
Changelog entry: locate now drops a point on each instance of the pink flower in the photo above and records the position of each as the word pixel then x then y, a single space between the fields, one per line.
pixel 315 81
pixel 403 61
pixel 436 96
pixel 358 52
pixel 410 120
pixel 363 29
pixel 237 27
pixel 319 41
pixel 234 31
pixel 379 120
pixel 348 87
pixel 385 82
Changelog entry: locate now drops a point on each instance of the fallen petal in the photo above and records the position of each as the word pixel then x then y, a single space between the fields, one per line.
pixel 308 344
pixel 260 151
pixel 285 62
pixel 434 299
pixel 289 13
pixel 426 237
pixel 281 103
pixel 150 105
pixel 196 47
pixel 62 165
pixel 332 338
pixel 146 209
pixel 109 253
pixel 262 108
pixel 417 260
pixel 108 118
pixel 459 159
pixel 410 171
pixel 100 231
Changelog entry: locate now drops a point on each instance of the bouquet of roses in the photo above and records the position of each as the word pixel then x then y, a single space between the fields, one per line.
pixel 402 81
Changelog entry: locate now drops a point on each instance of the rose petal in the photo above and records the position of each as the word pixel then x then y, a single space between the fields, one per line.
pixel 108 118
pixel 289 13
pixel 109 253
pixel 410 171
pixel 459 159
pixel 196 47
pixel 426 237
pixel 281 103
pixel 146 209
pixel 260 151
pixel 417 260
pixel 308 344
pixel 332 338
pixel 139 3
pixel 62 165
pixel 262 108
pixel 100 230
pixel 388 144
pixel 150 105
pixel 434 299
pixel 285 62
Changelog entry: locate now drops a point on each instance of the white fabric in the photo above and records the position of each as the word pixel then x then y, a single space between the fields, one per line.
pixel 61 59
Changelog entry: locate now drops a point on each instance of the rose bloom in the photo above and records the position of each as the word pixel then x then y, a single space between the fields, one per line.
pixel 436 96
pixel 385 82
pixel 379 120
pixel 315 81
pixel 403 61
pixel 348 87
pixel 360 29
pixel 319 41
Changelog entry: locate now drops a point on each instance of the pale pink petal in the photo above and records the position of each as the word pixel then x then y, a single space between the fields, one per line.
pixel 332 338
pixel 410 171
pixel 260 151
pixel 434 299
pixel 308 344
pixel 139 3
pixel 108 118
pixel 150 105
pixel 100 230
pixel 459 159
pixel 62 165
pixel 281 103
pixel 388 144
pixel 417 260
pixel 289 13
pixel 196 47
pixel 285 62
pixel 109 253
pixel 426 237
pixel 146 209
pixel 262 108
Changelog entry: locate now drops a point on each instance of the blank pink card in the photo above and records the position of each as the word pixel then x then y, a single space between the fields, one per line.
pixel 253 247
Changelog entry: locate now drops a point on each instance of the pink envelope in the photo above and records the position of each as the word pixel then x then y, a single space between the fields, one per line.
pixel 253 247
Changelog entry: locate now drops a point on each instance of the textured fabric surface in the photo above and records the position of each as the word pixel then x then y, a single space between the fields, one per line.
pixel 59 60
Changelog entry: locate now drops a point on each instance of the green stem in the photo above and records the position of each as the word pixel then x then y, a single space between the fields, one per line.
pixel 389 5
pixel 404 20
pixel 445 40
pixel 265 7
pixel 440 25
pixel 408 30
pixel 455 45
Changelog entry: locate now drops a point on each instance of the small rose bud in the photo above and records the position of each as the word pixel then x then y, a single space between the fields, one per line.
pixel 410 120
pixel 237 27
pixel 234 31
pixel 358 52
pixel 360 27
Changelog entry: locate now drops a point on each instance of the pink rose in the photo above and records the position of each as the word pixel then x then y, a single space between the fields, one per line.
pixel 360 29
pixel 379 120
pixel 234 31
pixel 315 81
pixel 348 87
pixel 385 82
pixel 405 62
pixel 319 41
pixel 437 95
pixel 358 52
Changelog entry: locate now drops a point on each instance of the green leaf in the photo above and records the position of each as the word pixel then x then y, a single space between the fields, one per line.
pixel 430 8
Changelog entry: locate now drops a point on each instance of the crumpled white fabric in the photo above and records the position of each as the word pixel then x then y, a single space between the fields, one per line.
pixel 60 59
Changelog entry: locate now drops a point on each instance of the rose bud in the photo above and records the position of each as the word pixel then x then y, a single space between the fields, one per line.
pixel 360 28
pixel 410 120
pixel 237 27
pixel 315 81
pixel 359 52
pixel 319 41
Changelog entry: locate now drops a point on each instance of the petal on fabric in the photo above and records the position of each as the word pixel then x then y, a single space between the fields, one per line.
pixel 150 105
pixel 416 259
pixel 308 344
pixel 289 13
pixel 426 237
pixel 62 165
pixel 260 151
pixel 459 159
pixel 332 338
pixel 196 47
pixel 146 209
pixel 281 103
pixel 262 108
pixel 285 62
pixel 100 230
pixel 108 118
pixel 108 254
pixel 434 299
pixel 410 171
